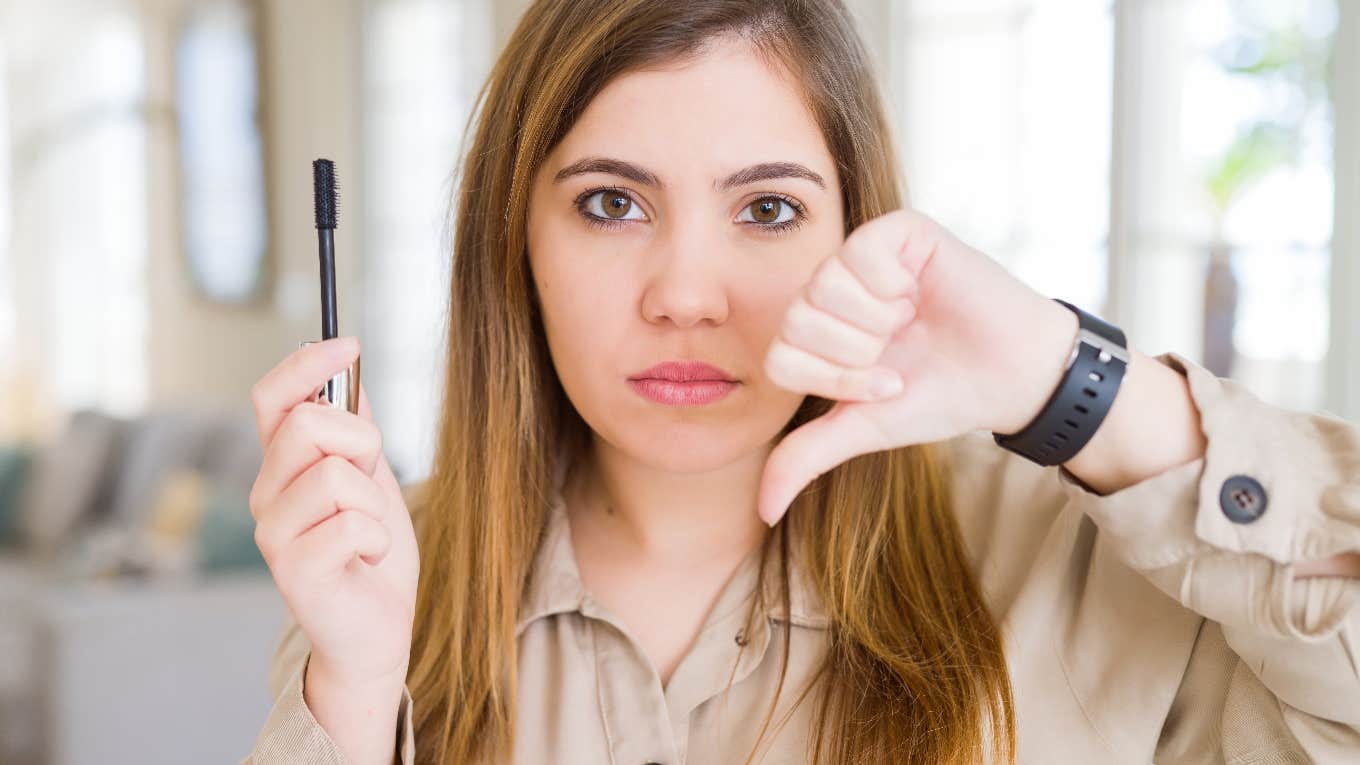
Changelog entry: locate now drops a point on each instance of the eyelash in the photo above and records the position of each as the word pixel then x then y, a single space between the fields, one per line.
pixel 799 218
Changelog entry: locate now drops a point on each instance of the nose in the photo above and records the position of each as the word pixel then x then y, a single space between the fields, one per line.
pixel 688 279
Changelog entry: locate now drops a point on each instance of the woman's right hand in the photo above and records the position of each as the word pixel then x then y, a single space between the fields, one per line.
pixel 331 522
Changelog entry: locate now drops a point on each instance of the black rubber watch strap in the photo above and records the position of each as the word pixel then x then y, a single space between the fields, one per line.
pixel 1072 414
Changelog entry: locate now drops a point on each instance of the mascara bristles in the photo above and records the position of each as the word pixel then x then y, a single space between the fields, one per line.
pixel 325 191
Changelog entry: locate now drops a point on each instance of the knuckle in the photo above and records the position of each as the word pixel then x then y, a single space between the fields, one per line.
pixel 332 472
pixel 263 541
pixel 302 424
pixel 798 324
pixel 926 228
pixel 258 400
pixel 902 219
pixel 863 350
pixel 350 525
pixel 850 383
pixel 854 244
pixel 253 501
pixel 824 293
pixel 292 424
pixel 305 416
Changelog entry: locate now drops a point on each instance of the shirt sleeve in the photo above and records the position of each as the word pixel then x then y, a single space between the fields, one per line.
pixel 291 734
pixel 1223 533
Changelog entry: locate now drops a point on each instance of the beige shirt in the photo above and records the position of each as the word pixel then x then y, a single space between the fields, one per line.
pixel 1142 626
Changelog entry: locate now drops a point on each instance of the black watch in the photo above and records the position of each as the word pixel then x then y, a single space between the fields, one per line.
pixel 1075 410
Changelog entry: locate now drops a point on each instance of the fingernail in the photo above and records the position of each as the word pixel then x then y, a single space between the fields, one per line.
pixel 884 382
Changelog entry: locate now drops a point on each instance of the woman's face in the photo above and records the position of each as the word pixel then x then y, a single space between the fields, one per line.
pixel 677 221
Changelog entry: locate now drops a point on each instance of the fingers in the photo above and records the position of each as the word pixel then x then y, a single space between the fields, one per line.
pixel 835 332
pixel 332 488
pixel 296 379
pixel 833 335
pixel 327 549
pixel 309 432
pixel 838 292
pixel 819 333
pixel 793 368
pixel 888 253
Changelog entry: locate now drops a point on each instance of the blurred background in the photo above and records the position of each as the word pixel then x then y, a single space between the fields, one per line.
pixel 1189 169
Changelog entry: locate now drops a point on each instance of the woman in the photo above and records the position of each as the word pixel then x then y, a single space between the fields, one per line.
pixel 790 562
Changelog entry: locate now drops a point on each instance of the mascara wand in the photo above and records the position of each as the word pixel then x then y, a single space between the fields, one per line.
pixel 342 390
pixel 324 193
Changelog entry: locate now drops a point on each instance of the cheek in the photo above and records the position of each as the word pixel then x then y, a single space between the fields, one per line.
pixel 773 293
pixel 575 295
pixel 584 312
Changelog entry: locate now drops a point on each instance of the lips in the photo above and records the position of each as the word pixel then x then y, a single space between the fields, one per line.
pixel 683 393
pixel 685 371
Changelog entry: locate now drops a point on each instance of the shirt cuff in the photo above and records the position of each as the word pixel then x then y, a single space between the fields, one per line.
pixel 1178 527
pixel 292 734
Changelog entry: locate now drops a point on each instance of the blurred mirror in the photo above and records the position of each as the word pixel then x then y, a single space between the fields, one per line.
pixel 221 157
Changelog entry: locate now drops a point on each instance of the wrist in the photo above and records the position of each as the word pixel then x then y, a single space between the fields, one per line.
pixel 1153 426
pixel 340 674
pixel 1036 376
pixel 359 715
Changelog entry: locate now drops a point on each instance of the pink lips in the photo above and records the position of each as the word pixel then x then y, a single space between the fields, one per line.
pixel 683 383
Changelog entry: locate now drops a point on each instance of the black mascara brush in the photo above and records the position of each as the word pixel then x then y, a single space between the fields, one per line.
pixel 342 390
pixel 324 191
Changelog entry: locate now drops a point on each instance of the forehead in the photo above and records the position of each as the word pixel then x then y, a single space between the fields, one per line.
pixel 725 108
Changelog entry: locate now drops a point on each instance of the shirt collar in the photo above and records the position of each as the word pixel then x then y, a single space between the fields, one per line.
pixel 555 584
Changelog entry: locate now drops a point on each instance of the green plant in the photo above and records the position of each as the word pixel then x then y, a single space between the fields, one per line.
pixel 1280 55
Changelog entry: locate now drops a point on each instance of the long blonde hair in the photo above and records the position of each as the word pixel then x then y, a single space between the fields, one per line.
pixel 915 670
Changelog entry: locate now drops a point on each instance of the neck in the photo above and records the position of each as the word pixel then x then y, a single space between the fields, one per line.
pixel 666 517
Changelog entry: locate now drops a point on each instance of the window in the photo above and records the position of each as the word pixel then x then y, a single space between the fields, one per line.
pixel 1226 186
pixel 221 159
pixel 7 325
pixel 1004 122
pixel 1167 164
pixel 78 136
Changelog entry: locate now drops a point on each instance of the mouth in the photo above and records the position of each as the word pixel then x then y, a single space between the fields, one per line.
pixel 682 371
pixel 683 383
pixel 672 393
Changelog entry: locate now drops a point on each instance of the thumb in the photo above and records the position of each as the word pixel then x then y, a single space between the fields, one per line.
pixel 799 458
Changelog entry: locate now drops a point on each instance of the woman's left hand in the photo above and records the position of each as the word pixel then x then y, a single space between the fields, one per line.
pixel 973 345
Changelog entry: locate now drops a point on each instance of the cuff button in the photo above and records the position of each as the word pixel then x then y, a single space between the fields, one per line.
pixel 1242 499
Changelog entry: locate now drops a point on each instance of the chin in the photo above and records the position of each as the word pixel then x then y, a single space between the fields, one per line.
pixel 688 446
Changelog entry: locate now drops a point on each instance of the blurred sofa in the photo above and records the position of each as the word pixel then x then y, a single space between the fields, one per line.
pixel 137 617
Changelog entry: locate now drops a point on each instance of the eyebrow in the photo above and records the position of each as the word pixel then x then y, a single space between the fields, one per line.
pixel 762 172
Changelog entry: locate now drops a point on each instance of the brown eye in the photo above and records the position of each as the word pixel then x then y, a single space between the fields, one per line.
pixel 766 210
pixel 616 205
pixel 773 214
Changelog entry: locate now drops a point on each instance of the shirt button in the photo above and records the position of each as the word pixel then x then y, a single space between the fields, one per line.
pixel 1242 498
